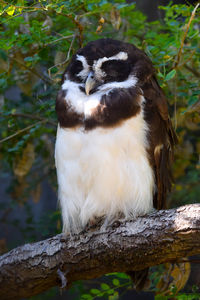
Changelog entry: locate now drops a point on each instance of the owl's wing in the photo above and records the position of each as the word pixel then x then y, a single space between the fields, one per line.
pixel 162 138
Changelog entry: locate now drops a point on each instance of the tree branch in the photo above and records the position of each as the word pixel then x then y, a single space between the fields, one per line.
pixel 162 236
pixel 184 37
pixel 21 131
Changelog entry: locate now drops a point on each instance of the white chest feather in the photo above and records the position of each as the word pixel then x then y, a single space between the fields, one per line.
pixel 85 104
pixel 103 172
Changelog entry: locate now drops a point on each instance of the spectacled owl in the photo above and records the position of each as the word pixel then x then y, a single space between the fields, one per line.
pixel 115 140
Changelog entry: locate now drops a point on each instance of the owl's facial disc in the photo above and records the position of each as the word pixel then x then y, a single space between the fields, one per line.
pixel 94 74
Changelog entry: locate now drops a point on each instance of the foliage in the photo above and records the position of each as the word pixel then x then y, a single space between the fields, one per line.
pixel 37 40
pixel 109 290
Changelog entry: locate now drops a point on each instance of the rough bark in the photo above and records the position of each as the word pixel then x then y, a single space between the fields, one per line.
pixel 162 236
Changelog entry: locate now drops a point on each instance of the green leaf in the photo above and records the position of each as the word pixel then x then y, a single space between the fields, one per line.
pixel 94 291
pixel 160 75
pixel 86 296
pixel 122 275
pixel 160 297
pixel 192 100
pixel 105 286
pixel 116 282
pixel 196 93
pixel 170 75
pixel 115 296
pixel 11 10
pixel 28 58
pixel 3 55
pixel 111 291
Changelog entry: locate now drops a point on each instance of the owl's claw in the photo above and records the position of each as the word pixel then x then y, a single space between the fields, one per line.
pixel 63 279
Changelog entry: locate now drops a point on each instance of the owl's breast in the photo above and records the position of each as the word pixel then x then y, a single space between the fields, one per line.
pixel 104 172
pixel 109 105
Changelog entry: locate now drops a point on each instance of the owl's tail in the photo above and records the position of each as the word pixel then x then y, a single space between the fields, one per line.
pixel 140 279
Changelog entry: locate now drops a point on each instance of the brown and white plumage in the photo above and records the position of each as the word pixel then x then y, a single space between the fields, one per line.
pixel 114 144
pixel 115 139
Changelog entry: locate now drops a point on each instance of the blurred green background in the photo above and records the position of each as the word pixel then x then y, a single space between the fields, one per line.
pixel 37 40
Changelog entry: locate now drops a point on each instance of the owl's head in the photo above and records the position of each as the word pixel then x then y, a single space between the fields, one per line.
pixel 102 84
pixel 105 61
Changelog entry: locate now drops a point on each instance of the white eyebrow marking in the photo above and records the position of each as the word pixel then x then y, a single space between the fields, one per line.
pixel 131 81
pixel 98 63
pixel 83 74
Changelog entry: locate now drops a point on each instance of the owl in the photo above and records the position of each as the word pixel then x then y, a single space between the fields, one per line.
pixel 114 143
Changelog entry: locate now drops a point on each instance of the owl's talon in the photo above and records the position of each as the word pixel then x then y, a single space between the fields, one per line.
pixel 116 224
pixel 62 278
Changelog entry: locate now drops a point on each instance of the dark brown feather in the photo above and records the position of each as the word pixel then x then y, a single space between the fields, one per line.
pixel 162 139
pixel 118 106
pixel 67 117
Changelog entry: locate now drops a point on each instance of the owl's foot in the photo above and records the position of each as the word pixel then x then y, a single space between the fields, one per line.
pixel 140 279
pixel 94 223
pixel 62 278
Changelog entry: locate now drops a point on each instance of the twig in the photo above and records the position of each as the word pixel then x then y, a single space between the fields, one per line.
pixel 89 13
pixel 70 48
pixel 58 40
pixel 25 7
pixel 77 23
pixel 184 37
pixel 195 72
pixel 67 58
pixel 28 116
pixel 80 28
pixel 20 131
pixel 47 80
pixel 175 104
pixel 188 59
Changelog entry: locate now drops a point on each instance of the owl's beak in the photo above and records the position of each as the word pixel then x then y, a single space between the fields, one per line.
pixel 90 83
